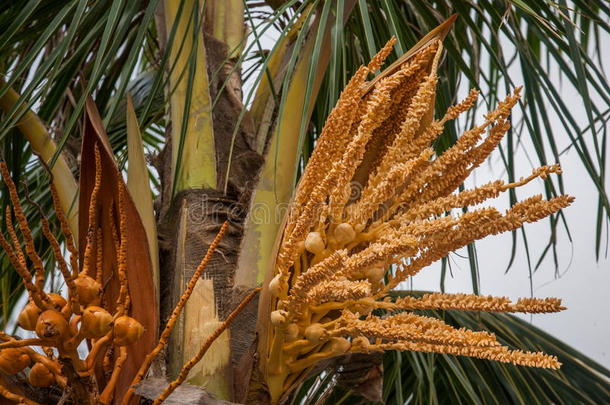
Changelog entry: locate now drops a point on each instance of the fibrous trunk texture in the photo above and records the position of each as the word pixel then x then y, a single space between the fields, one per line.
pixel 189 220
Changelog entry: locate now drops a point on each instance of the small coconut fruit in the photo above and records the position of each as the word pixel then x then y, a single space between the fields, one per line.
pixel 314 243
pixel 292 332
pixel 127 330
pixel 57 301
pixel 278 317
pixel 361 342
pixel 95 322
pixel 41 376
pixel 29 316
pixel 13 360
pixel 339 345
pixel 314 332
pixel 375 274
pixel 344 233
pixel 89 291
pixel 52 325
pixel 275 286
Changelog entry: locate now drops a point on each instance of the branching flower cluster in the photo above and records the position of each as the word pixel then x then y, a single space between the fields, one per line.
pixel 342 252
pixel 63 324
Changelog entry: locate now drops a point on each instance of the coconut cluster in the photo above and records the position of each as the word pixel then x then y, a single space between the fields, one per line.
pixel 375 205
pixel 62 323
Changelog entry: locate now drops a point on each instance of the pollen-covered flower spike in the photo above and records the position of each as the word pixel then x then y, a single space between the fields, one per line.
pixel 341 254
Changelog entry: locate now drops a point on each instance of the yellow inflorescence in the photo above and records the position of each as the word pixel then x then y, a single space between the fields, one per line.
pixel 375 206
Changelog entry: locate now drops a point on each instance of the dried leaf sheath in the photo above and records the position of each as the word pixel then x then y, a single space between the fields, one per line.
pixel 331 268
pixel 108 282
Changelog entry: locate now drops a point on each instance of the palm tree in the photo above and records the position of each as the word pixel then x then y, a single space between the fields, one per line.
pixel 206 114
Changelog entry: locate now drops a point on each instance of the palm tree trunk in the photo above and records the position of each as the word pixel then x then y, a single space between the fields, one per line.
pixel 190 219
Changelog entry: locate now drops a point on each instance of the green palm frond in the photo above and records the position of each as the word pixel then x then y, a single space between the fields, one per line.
pixel 426 379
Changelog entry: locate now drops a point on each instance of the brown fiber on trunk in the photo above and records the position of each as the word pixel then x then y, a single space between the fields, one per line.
pixel 207 209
